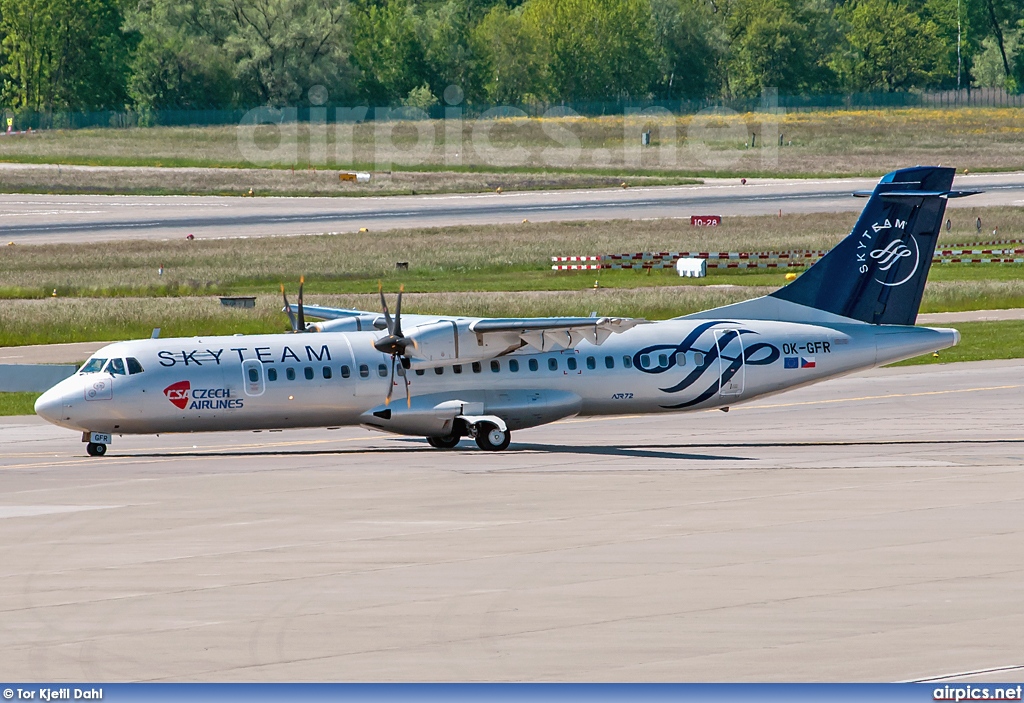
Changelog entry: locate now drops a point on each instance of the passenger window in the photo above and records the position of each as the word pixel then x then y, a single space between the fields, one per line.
pixel 457 368
pixel 346 372
pixel 92 366
pixel 645 361
pixel 134 366
pixel 663 360
pixel 680 359
pixel 308 373
pixel 289 373
pixel 591 363
pixel 553 364
pixel 609 362
pixel 364 371
pixel 495 366
pixel 327 372
pixel 254 376
pixel 513 365
pixel 533 364
pixel 571 363
pixel 420 372
pixel 271 374
pixel 476 367
pixel 627 361
pixel 115 366
pixel 382 370
pixel 439 370
pixel 698 359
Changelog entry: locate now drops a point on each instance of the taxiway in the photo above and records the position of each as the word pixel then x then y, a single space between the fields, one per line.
pixel 865 529
pixel 89 218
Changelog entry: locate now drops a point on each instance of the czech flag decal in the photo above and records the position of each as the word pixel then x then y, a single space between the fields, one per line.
pixel 807 362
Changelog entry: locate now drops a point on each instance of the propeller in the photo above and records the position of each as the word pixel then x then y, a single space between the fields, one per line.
pixel 298 323
pixel 395 343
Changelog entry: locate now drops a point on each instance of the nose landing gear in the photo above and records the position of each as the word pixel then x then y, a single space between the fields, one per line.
pixel 95 449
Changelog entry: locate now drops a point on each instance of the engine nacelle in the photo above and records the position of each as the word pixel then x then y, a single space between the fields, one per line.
pixel 451 342
pixel 355 323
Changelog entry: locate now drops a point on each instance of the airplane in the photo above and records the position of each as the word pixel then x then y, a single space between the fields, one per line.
pixel 485 378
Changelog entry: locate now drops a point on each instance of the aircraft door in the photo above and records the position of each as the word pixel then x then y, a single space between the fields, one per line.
pixel 731 366
pixel 252 377
pixel 350 380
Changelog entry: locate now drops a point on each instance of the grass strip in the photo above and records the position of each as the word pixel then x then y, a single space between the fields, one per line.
pixel 18 403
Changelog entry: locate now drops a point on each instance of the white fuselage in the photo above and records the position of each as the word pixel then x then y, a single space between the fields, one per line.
pixel 332 379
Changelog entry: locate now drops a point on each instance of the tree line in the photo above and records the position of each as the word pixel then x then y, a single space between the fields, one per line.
pixel 158 54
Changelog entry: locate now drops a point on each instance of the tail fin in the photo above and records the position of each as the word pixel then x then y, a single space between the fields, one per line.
pixel 877 274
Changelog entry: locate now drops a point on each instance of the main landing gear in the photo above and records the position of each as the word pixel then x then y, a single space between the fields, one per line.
pixel 95 449
pixel 491 438
pixel 488 436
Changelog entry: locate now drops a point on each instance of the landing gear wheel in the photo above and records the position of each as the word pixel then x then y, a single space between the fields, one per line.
pixel 447 442
pixel 93 449
pixel 491 439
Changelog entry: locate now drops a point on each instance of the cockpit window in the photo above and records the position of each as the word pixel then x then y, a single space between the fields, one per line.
pixel 133 365
pixel 115 367
pixel 92 366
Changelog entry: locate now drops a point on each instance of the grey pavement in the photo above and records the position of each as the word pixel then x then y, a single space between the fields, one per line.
pixel 89 218
pixel 864 529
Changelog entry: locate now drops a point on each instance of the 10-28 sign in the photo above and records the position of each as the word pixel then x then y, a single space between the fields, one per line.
pixel 705 220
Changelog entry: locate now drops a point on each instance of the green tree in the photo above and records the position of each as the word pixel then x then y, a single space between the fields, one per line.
pixel 777 44
pixel 511 67
pixel 596 49
pixel 889 47
pixel 283 47
pixel 387 51
pixel 692 44
pixel 64 54
pixel 446 39
pixel 181 61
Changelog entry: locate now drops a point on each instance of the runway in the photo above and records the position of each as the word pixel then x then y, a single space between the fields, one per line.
pixel 50 219
pixel 865 529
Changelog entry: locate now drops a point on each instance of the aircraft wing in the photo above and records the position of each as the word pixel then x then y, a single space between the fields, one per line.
pixel 325 313
pixel 489 337
pixel 445 342
pixel 548 333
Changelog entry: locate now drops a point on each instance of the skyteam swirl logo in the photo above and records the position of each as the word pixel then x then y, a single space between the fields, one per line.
pixel 892 254
pixel 715 358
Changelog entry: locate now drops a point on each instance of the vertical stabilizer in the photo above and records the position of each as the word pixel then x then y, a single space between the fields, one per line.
pixel 877 274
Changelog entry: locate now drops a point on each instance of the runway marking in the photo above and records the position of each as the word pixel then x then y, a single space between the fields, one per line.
pixel 961 674
pixel 754 406
pixel 7 511
pixel 879 397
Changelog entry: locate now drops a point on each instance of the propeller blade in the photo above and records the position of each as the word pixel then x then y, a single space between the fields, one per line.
pixel 384 305
pixel 302 316
pixel 398 313
pixel 288 309
pixel 408 398
pixel 391 383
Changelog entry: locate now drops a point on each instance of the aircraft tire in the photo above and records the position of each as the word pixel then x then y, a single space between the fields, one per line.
pixel 93 449
pixel 491 439
pixel 448 442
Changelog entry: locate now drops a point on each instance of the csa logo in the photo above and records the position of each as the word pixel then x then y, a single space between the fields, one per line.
pixel 177 393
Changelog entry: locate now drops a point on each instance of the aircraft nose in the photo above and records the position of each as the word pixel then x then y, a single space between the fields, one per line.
pixel 50 404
